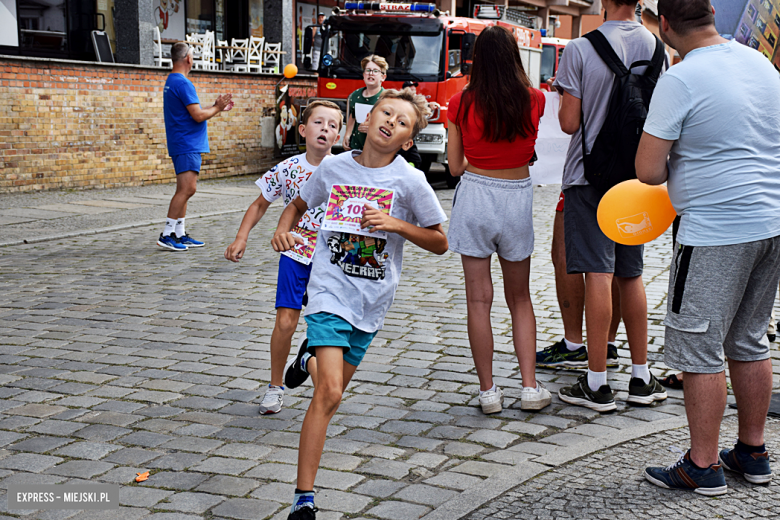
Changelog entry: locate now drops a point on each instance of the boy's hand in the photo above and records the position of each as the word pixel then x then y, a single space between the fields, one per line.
pixel 235 251
pixel 377 220
pixel 284 241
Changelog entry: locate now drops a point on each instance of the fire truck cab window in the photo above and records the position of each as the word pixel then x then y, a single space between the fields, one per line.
pixel 548 62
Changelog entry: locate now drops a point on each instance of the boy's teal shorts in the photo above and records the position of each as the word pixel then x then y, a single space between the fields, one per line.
pixel 329 330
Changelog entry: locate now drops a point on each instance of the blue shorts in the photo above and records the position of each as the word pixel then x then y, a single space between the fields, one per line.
pixel 291 283
pixel 329 330
pixel 186 162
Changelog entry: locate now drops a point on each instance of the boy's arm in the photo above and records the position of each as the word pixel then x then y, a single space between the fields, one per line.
pixel 283 240
pixel 431 238
pixel 235 251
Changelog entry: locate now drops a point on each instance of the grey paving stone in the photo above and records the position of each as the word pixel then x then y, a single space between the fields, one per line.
pixel 101 432
pixel 240 450
pixel 146 439
pixel 133 456
pixel 176 461
pixel 525 428
pixel 386 468
pixel 30 478
pixel 226 485
pixel 275 491
pixel 340 480
pixel 122 513
pixel 338 461
pixel 87 450
pixel 29 462
pixel 141 497
pixel 277 472
pixel 9 437
pixel 246 509
pixel 393 510
pixel 110 418
pixel 36 410
pixel 224 465
pixel 453 480
pixel 463 449
pixel 426 495
pixel 192 444
pixel 39 444
pixel 333 500
pixel 80 468
pixel 428 460
pixel 379 488
pixel 420 443
pixel 565 439
pixel 198 430
pixel 405 427
pixel 192 502
pixel 175 480
pixel 479 469
pixel 53 427
pixel 448 432
pixel 173 516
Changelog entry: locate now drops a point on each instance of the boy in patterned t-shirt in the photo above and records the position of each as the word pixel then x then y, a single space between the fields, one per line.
pixel 320 126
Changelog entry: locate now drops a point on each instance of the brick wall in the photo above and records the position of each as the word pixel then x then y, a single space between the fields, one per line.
pixel 80 125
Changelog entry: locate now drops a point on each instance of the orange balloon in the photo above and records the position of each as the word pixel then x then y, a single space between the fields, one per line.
pixel 290 71
pixel 632 213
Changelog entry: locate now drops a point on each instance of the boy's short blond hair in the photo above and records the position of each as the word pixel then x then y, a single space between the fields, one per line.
pixel 321 103
pixel 418 102
pixel 375 58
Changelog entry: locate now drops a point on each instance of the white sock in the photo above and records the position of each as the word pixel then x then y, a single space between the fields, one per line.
pixel 571 345
pixel 170 226
pixel 493 389
pixel 596 379
pixel 180 227
pixel 641 371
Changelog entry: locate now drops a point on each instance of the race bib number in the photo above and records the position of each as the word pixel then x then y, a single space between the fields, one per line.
pixel 346 205
pixel 302 253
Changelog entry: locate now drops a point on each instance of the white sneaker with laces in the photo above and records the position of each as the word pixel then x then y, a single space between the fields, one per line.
pixel 272 400
pixel 491 401
pixel 535 398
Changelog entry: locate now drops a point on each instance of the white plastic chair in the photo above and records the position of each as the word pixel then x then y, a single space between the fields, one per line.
pixel 223 56
pixel 240 57
pixel 255 54
pixel 271 60
pixel 205 61
pixel 159 59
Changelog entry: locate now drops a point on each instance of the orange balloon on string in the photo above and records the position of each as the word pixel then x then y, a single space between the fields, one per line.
pixel 290 71
pixel 632 213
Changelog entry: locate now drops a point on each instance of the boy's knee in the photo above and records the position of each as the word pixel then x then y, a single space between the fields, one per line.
pixel 330 393
pixel 285 323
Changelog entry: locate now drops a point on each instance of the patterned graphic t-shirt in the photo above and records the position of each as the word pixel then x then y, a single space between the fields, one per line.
pixel 286 180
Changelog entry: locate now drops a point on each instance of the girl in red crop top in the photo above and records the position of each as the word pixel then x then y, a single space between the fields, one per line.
pixel 492 133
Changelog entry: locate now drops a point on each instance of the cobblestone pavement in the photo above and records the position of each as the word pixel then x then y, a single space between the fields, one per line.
pixel 117 357
pixel 608 485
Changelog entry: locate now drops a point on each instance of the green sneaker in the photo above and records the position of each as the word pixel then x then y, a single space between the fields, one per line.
pixel 558 355
pixel 612 356
pixel 580 394
pixel 641 393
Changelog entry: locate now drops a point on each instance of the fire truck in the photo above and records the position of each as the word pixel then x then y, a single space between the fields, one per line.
pixel 420 44
pixel 552 50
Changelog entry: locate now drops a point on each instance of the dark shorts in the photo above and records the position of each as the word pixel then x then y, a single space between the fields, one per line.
pixel 588 250
pixel 291 283
pixel 186 162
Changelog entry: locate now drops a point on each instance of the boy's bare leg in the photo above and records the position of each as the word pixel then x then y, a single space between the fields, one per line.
pixel 479 300
pixel 570 288
pixel 281 339
pixel 328 389
pixel 616 315
pixel 518 299
pixel 633 304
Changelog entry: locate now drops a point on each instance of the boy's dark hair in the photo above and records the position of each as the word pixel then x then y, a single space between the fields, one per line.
pixel 179 51
pixel 686 16
pixel 418 102
pixel 321 103
pixel 626 2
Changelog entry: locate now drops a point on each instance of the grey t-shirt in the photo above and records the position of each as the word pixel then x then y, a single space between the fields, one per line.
pixel 353 276
pixel 583 74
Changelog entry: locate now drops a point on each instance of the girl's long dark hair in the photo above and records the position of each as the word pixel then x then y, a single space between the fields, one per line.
pixel 499 87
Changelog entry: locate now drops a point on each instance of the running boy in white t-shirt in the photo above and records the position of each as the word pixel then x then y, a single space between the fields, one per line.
pixel 381 200
pixel 320 126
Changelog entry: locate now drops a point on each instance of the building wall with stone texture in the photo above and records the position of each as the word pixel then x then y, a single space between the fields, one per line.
pixel 81 126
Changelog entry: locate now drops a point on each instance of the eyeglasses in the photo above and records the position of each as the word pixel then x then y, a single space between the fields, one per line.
pixel 372 72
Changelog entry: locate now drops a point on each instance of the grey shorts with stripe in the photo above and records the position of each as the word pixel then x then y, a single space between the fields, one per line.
pixel 720 299
pixel 492 216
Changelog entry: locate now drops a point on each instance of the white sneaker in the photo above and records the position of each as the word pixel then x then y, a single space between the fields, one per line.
pixel 535 399
pixel 272 400
pixel 491 401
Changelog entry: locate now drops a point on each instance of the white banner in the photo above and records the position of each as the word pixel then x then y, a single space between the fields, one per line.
pixel 551 144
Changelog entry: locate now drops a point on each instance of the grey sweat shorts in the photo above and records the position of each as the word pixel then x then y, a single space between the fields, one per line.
pixel 492 216
pixel 588 250
pixel 720 299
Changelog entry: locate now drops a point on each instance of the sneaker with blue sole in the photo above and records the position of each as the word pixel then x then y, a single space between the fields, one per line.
pixel 190 242
pixel 171 242
pixel 684 475
pixel 558 355
pixel 753 466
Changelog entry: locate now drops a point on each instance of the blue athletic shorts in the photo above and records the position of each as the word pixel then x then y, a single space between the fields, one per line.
pixel 291 283
pixel 186 162
pixel 329 330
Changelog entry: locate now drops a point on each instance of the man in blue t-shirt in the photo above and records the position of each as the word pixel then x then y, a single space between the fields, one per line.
pixel 712 134
pixel 187 133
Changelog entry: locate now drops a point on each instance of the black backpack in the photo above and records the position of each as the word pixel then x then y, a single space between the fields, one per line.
pixel 611 161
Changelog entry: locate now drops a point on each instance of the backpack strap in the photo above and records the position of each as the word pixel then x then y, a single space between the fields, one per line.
pixel 607 53
pixel 658 59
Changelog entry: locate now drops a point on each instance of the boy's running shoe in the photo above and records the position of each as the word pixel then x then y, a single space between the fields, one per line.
pixel 684 475
pixel 295 374
pixel 641 393
pixel 612 356
pixel 304 513
pixel 190 242
pixel 171 242
pixel 492 401
pixel 558 355
pixel 272 400
pixel 580 394
pixel 753 466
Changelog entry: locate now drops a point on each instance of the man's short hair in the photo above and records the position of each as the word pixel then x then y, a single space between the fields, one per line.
pixel 686 16
pixel 321 103
pixel 379 60
pixel 626 2
pixel 179 51
pixel 418 102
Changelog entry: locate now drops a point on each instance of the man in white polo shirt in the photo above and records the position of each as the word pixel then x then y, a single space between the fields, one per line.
pixel 716 116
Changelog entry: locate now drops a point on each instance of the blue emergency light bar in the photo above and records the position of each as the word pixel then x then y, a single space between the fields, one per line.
pixel 391 7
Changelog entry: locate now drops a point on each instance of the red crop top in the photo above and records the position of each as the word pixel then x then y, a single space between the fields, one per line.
pixel 503 154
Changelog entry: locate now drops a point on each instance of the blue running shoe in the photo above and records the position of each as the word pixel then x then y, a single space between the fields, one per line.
pixel 191 242
pixel 684 475
pixel 558 355
pixel 171 242
pixel 753 466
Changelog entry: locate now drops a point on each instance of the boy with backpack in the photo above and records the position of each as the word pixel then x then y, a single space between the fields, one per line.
pixel 357 263
pixel 320 126
pixel 606 81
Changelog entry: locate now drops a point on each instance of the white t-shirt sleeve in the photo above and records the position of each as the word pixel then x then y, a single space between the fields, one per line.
pixel 425 206
pixel 271 183
pixel 669 108
pixel 315 192
pixel 569 76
